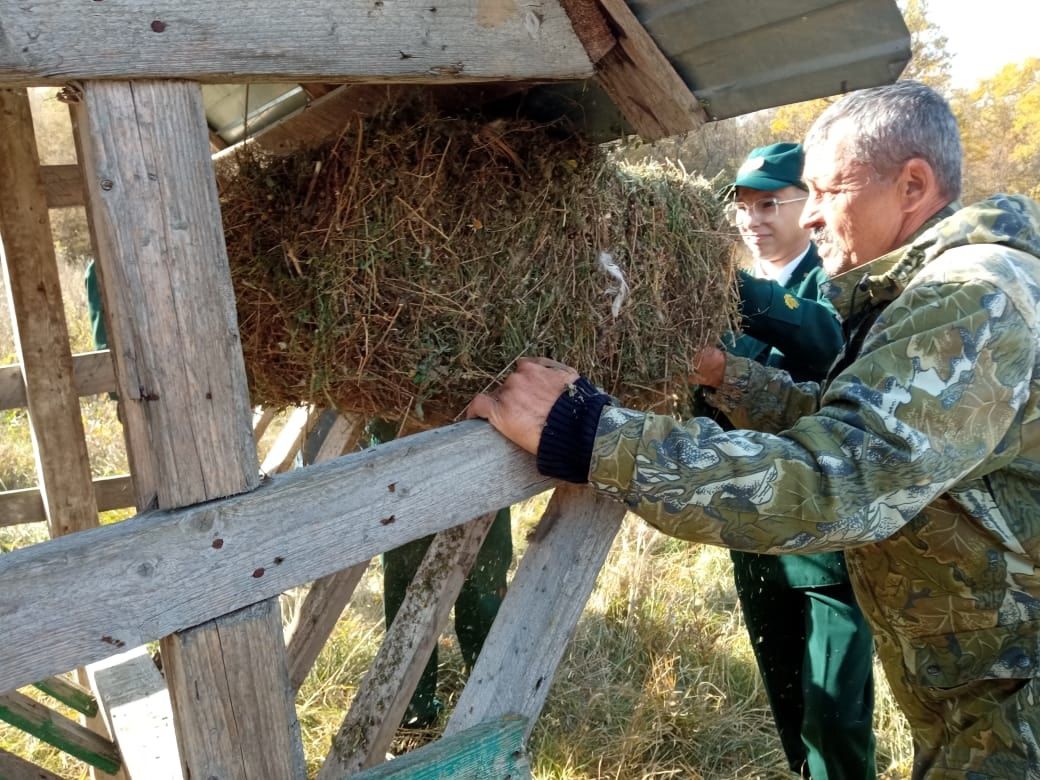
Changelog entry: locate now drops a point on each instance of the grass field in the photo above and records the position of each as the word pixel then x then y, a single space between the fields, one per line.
pixel 659 681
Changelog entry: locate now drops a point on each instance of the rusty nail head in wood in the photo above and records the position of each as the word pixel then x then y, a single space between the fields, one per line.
pixel 107 184
pixel 158 26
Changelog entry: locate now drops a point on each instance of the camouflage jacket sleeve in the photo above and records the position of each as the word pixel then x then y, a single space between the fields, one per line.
pixel 939 387
pixel 762 398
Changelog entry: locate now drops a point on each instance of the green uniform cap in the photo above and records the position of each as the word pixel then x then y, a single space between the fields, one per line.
pixel 771 168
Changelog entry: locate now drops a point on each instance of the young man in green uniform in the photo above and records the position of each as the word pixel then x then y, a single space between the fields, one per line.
pixel 813 648
pixel 919 456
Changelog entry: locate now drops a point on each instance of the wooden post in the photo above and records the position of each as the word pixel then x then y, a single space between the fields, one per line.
pixel 153 203
pixel 382 698
pixel 517 664
pixel 41 334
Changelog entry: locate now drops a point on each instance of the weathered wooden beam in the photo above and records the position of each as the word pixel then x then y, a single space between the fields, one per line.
pixel 317 617
pixel 63 185
pixel 166 570
pixel 642 82
pixel 41 334
pixel 537 618
pixel 26 505
pixel 288 442
pixel 174 331
pixel 14 768
pixel 137 712
pixel 255 40
pixel 57 730
pixel 92 373
pixel 383 695
pixel 262 418
pixel 153 203
pixel 70 694
pixel 490 751
pixel 328 597
pixel 243 670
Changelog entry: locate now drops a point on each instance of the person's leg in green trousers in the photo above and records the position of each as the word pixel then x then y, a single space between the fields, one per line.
pixel 838 686
pixel 815 655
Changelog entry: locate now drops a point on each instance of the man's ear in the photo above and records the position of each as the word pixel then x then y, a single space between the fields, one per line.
pixel 917 185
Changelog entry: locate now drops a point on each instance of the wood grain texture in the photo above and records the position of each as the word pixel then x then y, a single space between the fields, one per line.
pixel 92 373
pixel 55 729
pixel 161 254
pixel 63 185
pixel 383 695
pixel 40 332
pixel 490 751
pixel 136 709
pixel 256 40
pixel 642 82
pixel 517 664
pixel 317 617
pixel 26 505
pixel 70 694
pixel 14 768
pixel 243 723
pixel 166 570
pixel 328 597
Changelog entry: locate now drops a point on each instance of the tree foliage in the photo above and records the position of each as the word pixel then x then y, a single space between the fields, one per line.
pixel 1000 128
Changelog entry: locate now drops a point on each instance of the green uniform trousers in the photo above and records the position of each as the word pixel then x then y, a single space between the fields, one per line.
pixel 815 655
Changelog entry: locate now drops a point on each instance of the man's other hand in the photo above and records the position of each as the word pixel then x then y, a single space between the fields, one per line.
pixel 521 405
pixel 708 367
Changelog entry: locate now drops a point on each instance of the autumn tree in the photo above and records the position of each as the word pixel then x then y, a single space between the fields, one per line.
pixel 1000 128
pixel 929 64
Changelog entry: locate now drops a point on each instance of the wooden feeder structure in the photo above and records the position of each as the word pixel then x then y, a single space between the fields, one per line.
pixel 201 566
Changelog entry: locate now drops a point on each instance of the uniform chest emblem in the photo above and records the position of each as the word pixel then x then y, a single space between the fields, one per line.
pixel 791 301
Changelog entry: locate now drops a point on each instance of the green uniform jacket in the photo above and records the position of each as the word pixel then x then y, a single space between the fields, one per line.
pixel 792 327
pixel 921 458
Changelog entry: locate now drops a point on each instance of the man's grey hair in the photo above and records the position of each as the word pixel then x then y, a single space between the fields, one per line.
pixel 895 123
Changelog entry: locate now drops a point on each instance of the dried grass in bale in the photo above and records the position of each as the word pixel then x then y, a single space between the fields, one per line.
pixel 406 267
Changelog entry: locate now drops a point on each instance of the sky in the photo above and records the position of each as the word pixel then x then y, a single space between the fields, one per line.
pixel 985 36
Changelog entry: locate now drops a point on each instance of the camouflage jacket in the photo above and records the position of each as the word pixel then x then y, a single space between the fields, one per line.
pixel 921 459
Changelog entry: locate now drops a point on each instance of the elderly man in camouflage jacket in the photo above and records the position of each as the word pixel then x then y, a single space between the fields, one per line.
pixel 919 456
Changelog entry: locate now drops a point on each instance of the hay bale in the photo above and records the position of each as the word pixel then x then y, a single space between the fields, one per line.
pixel 405 267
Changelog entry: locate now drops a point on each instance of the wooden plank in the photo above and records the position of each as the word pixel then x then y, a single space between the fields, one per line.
pixel 383 695
pixel 41 334
pixel 137 712
pixel 70 694
pixel 14 768
pixel 57 730
pixel 184 397
pixel 63 185
pixel 255 40
pixel 591 27
pixel 642 82
pixel 254 731
pixel 261 421
pixel 26 505
pixel 541 609
pixel 317 617
pixel 288 442
pixel 166 570
pixel 489 751
pixel 328 597
pixel 161 254
pixel 92 373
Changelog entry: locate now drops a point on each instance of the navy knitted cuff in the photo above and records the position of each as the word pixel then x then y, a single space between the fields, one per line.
pixel 565 447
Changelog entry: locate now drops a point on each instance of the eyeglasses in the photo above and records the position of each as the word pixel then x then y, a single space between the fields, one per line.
pixel 767 208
